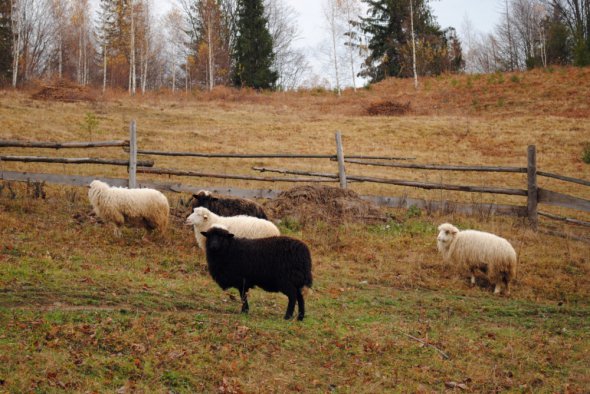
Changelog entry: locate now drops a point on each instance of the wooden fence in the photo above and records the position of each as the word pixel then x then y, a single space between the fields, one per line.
pixel 535 195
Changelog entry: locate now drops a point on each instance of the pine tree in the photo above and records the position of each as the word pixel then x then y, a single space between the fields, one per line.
pixel 5 42
pixel 388 28
pixel 253 53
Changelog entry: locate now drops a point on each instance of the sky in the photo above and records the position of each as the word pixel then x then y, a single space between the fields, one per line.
pixel 483 15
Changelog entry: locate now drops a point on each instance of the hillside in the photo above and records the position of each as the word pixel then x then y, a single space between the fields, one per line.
pixel 83 311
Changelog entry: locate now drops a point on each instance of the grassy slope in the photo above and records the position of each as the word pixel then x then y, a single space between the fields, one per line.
pixel 83 311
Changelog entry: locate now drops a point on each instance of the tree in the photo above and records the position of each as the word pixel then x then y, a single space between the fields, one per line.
pixel 388 26
pixel 576 17
pixel 5 41
pixel 253 53
pixel 289 62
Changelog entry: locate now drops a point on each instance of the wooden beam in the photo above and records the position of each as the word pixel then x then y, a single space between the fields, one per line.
pixel 532 189
pixel 74 160
pixel 448 206
pixel 563 200
pixel 564 219
pixel 263 155
pixel 399 182
pixel 60 145
pixel 563 178
pixel 132 155
pixel 340 156
pixel 80 180
pixel 440 167
pixel 170 171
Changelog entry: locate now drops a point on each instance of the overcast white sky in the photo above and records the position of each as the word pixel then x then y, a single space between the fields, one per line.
pixel 483 15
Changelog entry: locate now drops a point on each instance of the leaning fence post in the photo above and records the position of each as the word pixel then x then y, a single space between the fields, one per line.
pixel 132 155
pixel 340 157
pixel 532 189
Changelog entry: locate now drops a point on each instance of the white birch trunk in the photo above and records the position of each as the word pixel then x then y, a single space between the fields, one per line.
pixel 413 44
pixel 104 69
pixel 334 52
pixel 132 75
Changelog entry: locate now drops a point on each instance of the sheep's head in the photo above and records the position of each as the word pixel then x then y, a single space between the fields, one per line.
pixel 446 233
pixel 96 184
pixel 202 199
pixel 218 237
pixel 199 217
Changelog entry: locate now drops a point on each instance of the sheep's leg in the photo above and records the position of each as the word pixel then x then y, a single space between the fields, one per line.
pixel 472 281
pixel 244 298
pixel 301 305
pixel 291 292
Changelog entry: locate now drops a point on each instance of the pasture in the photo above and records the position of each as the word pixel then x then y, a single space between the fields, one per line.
pixel 83 311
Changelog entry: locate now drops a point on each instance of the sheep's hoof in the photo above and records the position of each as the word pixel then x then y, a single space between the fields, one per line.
pixel 288 317
pixel 300 317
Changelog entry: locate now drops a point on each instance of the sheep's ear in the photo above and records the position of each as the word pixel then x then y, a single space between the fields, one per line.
pixel 204 234
pixel 454 231
pixel 205 217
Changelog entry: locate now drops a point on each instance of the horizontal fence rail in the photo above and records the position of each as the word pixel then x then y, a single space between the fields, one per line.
pixel 563 200
pixel 564 178
pixel 61 145
pixel 197 174
pixel 440 167
pixel 564 219
pixel 74 160
pixel 262 155
pixel 399 182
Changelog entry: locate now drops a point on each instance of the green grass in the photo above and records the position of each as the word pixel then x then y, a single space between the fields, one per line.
pixel 82 311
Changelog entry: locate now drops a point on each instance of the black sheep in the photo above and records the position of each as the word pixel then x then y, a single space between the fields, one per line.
pixel 227 206
pixel 275 264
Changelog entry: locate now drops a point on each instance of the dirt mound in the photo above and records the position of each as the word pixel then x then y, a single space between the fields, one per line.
pixel 388 108
pixel 310 204
pixel 65 91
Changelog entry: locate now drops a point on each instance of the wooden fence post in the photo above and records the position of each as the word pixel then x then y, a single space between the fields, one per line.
pixel 132 155
pixel 532 189
pixel 340 156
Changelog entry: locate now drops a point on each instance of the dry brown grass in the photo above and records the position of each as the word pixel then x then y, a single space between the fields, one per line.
pixel 477 120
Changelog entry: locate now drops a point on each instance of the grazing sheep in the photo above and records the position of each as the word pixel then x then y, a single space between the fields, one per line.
pixel 242 226
pixel 476 251
pixel 227 206
pixel 139 207
pixel 275 264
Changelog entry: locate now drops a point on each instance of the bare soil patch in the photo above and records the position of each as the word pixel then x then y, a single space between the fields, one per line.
pixel 312 203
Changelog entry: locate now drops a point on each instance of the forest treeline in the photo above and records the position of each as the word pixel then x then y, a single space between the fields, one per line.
pixel 200 44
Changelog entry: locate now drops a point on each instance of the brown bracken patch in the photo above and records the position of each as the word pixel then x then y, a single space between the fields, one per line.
pixel 311 204
pixel 388 108
pixel 66 91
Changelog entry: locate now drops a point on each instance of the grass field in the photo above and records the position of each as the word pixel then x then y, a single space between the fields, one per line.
pixel 83 311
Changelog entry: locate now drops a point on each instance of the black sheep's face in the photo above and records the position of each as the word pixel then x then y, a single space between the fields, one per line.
pixel 202 200
pixel 217 238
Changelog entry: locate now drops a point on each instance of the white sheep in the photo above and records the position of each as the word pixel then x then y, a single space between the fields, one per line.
pixel 241 226
pixel 476 251
pixel 139 207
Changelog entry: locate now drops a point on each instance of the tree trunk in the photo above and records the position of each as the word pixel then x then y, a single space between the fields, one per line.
pixel 132 75
pixel 104 69
pixel 413 44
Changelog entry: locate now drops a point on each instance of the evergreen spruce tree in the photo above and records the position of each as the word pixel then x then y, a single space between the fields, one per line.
pixel 5 41
pixel 388 28
pixel 253 53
